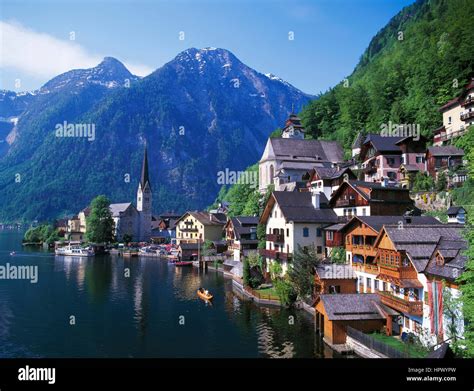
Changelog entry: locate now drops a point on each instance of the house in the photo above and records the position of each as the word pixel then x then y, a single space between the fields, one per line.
pixel 293 220
pixel 332 279
pixel 74 232
pixel 363 312
pixel 458 115
pixel 357 198
pixel 457 215
pixel 328 179
pixel 357 145
pixel 447 263
pixel 164 227
pixel 189 251
pixel 241 235
pixel 360 235
pixel 334 238
pixel 405 261
pixel 443 159
pixel 62 226
pixel 193 227
pixel 286 159
pixel 381 156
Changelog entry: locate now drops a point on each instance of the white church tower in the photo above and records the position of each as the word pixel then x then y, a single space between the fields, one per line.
pixel 144 201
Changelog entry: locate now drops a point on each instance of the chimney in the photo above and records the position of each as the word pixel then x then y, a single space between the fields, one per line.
pixel 315 200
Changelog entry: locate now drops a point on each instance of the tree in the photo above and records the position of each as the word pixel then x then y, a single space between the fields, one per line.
pixel 100 224
pixel 452 311
pixel 338 255
pixel 301 272
pixel 127 238
pixel 442 182
pixel 285 291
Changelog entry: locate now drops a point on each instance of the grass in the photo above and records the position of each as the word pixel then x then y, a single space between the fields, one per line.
pixel 411 350
pixel 268 292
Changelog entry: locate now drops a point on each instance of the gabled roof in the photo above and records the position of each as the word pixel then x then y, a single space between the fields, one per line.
pixel 298 207
pixel 383 143
pixel 243 225
pixel 377 222
pixel 117 209
pixel 359 139
pixel 454 210
pixel 312 150
pixel 331 172
pixel 452 251
pixel 447 150
pixel 206 218
pixel 364 189
pixel 419 241
pixel 352 306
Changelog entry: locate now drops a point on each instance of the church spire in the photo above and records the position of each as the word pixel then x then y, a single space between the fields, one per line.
pixel 144 179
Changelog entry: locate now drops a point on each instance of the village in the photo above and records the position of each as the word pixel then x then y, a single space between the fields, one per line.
pixel 384 267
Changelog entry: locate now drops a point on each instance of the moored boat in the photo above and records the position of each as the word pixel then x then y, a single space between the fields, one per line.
pixel 77 251
pixel 184 263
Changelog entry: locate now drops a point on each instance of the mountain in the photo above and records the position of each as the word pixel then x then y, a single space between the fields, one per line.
pixel 416 63
pixel 201 113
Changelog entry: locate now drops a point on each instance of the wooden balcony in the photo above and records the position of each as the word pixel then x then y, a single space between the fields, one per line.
pixel 408 307
pixel 401 273
pixel 366 268
pixel 188 229
pixel 273 254
pixel 275 238
pixel 362 249
pixel 350 202
pixel 468 101
pixel 468 115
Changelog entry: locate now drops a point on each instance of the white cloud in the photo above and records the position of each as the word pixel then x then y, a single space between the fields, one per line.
pixel 44 56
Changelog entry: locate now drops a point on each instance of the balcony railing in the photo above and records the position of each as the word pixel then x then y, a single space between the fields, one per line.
pixel 350 202
pixel 273 254
pixel 188 229
pixel 468 115
pixel 408 307
pixel 468 101
pixel 366 268
pixel 275 238
pixel 398 272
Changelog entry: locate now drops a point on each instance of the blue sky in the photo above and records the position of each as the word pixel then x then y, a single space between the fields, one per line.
pixel 329 35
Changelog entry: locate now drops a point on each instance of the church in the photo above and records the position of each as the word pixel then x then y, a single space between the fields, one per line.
pixel 132 221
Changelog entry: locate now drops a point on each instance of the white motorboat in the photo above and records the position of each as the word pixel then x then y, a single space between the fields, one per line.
pixel 77 251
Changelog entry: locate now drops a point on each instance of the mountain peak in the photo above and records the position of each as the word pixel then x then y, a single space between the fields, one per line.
pixel 109 73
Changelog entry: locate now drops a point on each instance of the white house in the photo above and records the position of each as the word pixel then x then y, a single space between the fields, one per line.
pixel 292 220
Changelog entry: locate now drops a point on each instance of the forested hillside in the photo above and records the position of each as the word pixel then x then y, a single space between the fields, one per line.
pixel 416 63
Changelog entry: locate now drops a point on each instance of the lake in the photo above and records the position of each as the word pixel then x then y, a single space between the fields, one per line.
pixel 91 307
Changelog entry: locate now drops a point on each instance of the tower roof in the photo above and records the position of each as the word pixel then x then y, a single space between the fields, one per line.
pixel 144 179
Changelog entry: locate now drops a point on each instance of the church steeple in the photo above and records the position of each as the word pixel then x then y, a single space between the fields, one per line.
pixel 144 179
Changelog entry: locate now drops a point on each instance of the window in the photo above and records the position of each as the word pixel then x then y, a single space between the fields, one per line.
pixel 449 120
pixel 287 232
pixel 364 212
pixel 318 232
pixel 319 250
pixel 376 284
pixel 305 232
pixel 334 289
pixel 330 235
pixel 407 323
pixel 420 159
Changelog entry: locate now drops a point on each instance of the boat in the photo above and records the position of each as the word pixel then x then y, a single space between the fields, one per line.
pixel 184 263
pixel 77 251
pixel 204 294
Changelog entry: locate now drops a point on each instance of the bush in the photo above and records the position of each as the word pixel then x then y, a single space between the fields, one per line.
pixel 285 291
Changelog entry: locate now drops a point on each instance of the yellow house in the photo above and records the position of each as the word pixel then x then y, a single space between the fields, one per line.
pixel 194 226
pixel 76 226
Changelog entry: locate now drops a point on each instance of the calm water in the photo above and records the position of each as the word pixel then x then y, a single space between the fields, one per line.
pixel 137 316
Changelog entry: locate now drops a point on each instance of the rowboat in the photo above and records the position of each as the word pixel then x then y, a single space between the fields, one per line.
pixel 204 294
